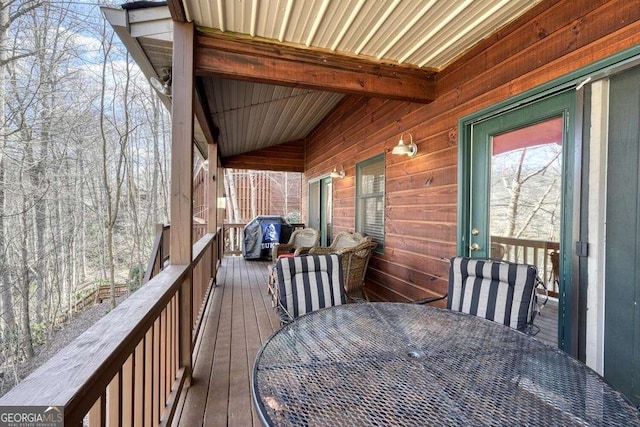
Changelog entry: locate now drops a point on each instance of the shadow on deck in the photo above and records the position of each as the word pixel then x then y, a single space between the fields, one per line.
pixel 239 318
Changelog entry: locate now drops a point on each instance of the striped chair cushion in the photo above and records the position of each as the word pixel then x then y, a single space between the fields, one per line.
pixel 498 291
pixel 309 283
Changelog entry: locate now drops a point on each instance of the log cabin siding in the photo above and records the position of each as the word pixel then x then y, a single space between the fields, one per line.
pixel 553 39
pixel 285 157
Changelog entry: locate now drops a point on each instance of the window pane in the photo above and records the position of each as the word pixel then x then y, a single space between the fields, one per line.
pixel 373 221
pixel 370 199
pixel 372 177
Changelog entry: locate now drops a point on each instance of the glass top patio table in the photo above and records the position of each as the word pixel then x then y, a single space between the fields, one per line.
pixel 405 364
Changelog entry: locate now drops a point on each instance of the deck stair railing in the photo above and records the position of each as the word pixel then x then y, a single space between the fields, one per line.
pixel 159 257
pixel 129 368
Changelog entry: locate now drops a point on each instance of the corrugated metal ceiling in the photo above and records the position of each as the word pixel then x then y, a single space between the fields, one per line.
pixel 251 116
pixel 255 115
pixel 422 33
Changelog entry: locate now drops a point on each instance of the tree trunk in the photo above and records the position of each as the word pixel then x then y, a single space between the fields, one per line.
pixel 27 343
pixel 8 317
pixel 516 186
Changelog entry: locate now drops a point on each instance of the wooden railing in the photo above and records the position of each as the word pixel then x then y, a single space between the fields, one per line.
pixel 129 368
pixel 160 251
pixel 233 238
pixel 543 254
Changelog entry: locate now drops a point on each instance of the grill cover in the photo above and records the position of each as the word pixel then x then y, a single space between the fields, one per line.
pixel 262 233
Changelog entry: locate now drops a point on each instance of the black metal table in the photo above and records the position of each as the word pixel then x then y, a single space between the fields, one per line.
pixel 403 364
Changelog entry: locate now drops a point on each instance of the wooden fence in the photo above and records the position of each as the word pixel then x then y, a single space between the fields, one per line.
pixel 130 367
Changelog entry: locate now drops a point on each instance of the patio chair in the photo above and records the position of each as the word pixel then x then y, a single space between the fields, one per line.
pixel 299 243
pixel 500 291
pixel 355 261
pixel 342 240
pixel 308 283
pixel 355 249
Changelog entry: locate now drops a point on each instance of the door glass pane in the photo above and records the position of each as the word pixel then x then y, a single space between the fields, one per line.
pixel 314 205
pixel 328 210
pixel 525 196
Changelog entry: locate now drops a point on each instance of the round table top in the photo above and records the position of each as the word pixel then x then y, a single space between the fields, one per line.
pixel 406 364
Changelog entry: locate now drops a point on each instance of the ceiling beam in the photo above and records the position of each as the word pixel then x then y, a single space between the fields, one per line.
pixel 248 59
pixel 203 113
pixel 176 8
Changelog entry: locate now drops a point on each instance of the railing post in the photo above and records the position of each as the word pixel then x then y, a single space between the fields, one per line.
pixel 182 179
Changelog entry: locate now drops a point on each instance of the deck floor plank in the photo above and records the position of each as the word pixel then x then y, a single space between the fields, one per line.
pixel 239 389
pixel 218 397
pixel 195 401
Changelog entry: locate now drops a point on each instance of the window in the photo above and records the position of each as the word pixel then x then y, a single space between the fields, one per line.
pixel 370 199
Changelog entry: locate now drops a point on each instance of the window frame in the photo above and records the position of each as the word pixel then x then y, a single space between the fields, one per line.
pixel 360 197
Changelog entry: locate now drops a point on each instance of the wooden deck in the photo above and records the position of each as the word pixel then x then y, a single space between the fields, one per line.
pixel 547 321
pixel 239 317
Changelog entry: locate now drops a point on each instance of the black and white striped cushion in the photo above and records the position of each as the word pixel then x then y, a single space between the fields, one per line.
pixel 309 283
pixel 498 291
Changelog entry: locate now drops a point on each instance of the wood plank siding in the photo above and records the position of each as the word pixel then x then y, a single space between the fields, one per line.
pixel 286 157
pixel 551 40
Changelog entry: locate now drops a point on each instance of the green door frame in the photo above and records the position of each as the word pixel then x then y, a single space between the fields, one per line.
pixel 555 106
pixel 571 81
pixel 322 205
pixel 475 151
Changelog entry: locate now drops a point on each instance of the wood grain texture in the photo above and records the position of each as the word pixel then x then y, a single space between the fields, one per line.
pixel 551 40
pixel 286 157
pixel 176 8
pixel 98 354
pixel 248 59
pixel 239 318
pixel 182 144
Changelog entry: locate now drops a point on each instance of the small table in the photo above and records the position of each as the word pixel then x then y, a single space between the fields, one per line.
pixel 406 364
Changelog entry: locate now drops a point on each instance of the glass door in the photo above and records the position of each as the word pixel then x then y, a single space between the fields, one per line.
pixel 519 199
pixel 321 208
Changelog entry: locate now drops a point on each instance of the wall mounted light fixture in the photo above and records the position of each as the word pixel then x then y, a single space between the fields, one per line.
pixel 402 148
pixel 162 83
pixel 337 174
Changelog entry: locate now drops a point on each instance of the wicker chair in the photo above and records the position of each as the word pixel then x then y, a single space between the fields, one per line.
pixel 343 240
pixel 355 262
pixel 355 250
pixel 299 243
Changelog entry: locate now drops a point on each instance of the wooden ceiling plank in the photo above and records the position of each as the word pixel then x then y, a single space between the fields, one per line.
pixel 288 66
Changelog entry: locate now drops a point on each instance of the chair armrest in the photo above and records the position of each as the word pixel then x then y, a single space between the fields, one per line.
pixel 429 300
pixel 321 250
pixel 303 250
pixel 280 248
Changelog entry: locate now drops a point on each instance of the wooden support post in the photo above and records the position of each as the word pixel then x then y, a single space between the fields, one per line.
pixel 181 175
pixel 212 196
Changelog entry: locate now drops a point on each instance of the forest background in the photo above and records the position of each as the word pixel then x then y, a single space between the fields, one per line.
pixel 84 162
